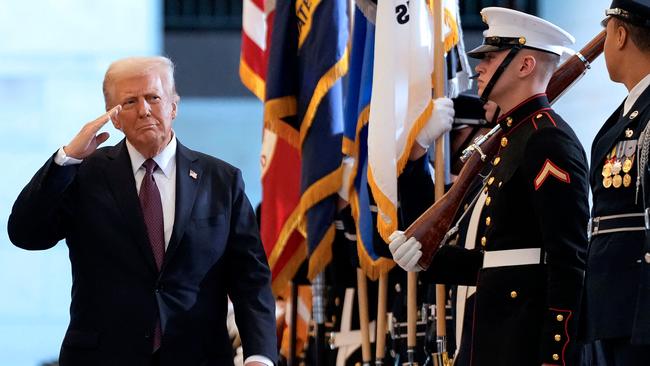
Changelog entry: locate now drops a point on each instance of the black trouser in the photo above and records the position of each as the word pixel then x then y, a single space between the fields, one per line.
pixel 619 352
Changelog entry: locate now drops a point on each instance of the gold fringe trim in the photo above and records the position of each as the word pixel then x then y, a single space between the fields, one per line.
pixel 284 131
pixel 385 206
pixel 348 146
pixel 371 268
pixel 452 38
pixel 279 108
pixel 282 280
pixel 322 88
pixel 419 123
pixel 251 80
pixel 321 189
pixel 322 255
pixel 288 228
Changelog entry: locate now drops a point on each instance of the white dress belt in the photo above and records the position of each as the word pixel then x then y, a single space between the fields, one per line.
pixel 512 257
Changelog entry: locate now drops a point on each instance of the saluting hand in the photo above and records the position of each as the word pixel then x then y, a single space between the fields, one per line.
pixel 87 140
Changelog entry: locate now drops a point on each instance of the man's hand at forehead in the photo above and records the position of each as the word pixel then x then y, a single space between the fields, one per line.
pixel 87 140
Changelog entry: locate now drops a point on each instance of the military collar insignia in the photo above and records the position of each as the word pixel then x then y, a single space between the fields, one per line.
pixel 629 132
pixel 634 114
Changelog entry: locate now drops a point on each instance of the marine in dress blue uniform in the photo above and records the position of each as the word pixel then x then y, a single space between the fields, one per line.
pixel 529 236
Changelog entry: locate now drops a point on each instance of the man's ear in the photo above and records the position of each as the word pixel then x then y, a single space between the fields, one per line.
pixel 621 36
pixel 527 65
pixel 116 122
pixel 174 110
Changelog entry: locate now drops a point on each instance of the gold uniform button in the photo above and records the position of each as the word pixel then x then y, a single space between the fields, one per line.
pixel 539 116
pixel 483 241
pixel 560 317
pixel 509 121
pixel 488 221
pixel 496 161
pixel 513 294
pixel 556 357
pixel 557 337
pixel 490 181
pixel 504 141
pixel 488 200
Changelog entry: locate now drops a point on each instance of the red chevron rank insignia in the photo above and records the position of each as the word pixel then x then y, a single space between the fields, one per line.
pixel 550 169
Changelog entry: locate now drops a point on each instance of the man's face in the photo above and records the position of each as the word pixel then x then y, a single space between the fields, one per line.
pixel 486 68
pixel 147 111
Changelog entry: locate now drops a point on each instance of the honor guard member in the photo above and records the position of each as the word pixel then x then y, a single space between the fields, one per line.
pixel 617 286
pixel 530 233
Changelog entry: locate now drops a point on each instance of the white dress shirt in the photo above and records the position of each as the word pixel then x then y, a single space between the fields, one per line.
pixel 165 177
pixel 639 88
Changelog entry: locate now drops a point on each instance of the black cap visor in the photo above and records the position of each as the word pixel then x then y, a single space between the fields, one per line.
pixel 494 44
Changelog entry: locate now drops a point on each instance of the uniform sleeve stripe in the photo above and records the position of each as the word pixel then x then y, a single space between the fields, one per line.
pixel 550 169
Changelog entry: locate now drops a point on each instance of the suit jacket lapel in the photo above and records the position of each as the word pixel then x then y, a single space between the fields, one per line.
pixel 119 175
pixel 188 178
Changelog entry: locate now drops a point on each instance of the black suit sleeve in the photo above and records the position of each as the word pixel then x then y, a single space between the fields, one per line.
pixel 249 278
pixel 44 204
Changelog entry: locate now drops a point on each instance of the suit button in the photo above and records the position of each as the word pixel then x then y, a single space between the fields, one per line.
pixel 483 241
pixel 490 181
pixel 646 257
pixel 560 317
pixel 557 337
pixel 556 357
pixel 488 221
pixel 496 161
pixel 513 294
pixel 509 121
pixel 504 141
pixel 488 200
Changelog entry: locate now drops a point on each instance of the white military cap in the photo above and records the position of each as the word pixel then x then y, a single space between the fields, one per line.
pixel 508 28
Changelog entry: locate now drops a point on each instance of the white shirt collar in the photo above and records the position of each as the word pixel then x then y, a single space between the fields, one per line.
pixel 635 93
pixel 163 159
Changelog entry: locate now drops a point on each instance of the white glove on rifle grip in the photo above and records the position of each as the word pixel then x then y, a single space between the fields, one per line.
pixel 439 123
pixel 406 253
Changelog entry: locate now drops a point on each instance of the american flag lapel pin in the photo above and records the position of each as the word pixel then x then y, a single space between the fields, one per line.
pixel 193 174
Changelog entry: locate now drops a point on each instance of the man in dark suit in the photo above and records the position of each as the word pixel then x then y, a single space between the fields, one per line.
pixel 617 285
pixel 159 236
pixel 525 242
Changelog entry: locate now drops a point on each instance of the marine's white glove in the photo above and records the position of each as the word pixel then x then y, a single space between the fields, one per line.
pixel 440 122
pixel 406 253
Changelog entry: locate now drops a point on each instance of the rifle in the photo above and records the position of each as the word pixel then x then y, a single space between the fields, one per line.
pixel 432 227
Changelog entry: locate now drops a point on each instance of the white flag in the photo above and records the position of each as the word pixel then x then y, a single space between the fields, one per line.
pixel 401 98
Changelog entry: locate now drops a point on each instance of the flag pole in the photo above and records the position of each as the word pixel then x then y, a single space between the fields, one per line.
pixel 362 293
pixel 411 317
pixel 380 340
pixel 439 73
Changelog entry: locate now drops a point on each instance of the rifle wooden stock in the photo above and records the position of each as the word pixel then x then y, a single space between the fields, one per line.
pixel 432 226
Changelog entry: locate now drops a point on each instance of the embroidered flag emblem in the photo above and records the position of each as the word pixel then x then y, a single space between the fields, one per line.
pixel 550 169
pixel 193 174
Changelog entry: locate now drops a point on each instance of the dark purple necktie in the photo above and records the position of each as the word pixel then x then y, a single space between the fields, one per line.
pixel 153 218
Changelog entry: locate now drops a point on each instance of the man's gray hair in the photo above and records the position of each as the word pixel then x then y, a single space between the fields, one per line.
pixel 136 66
